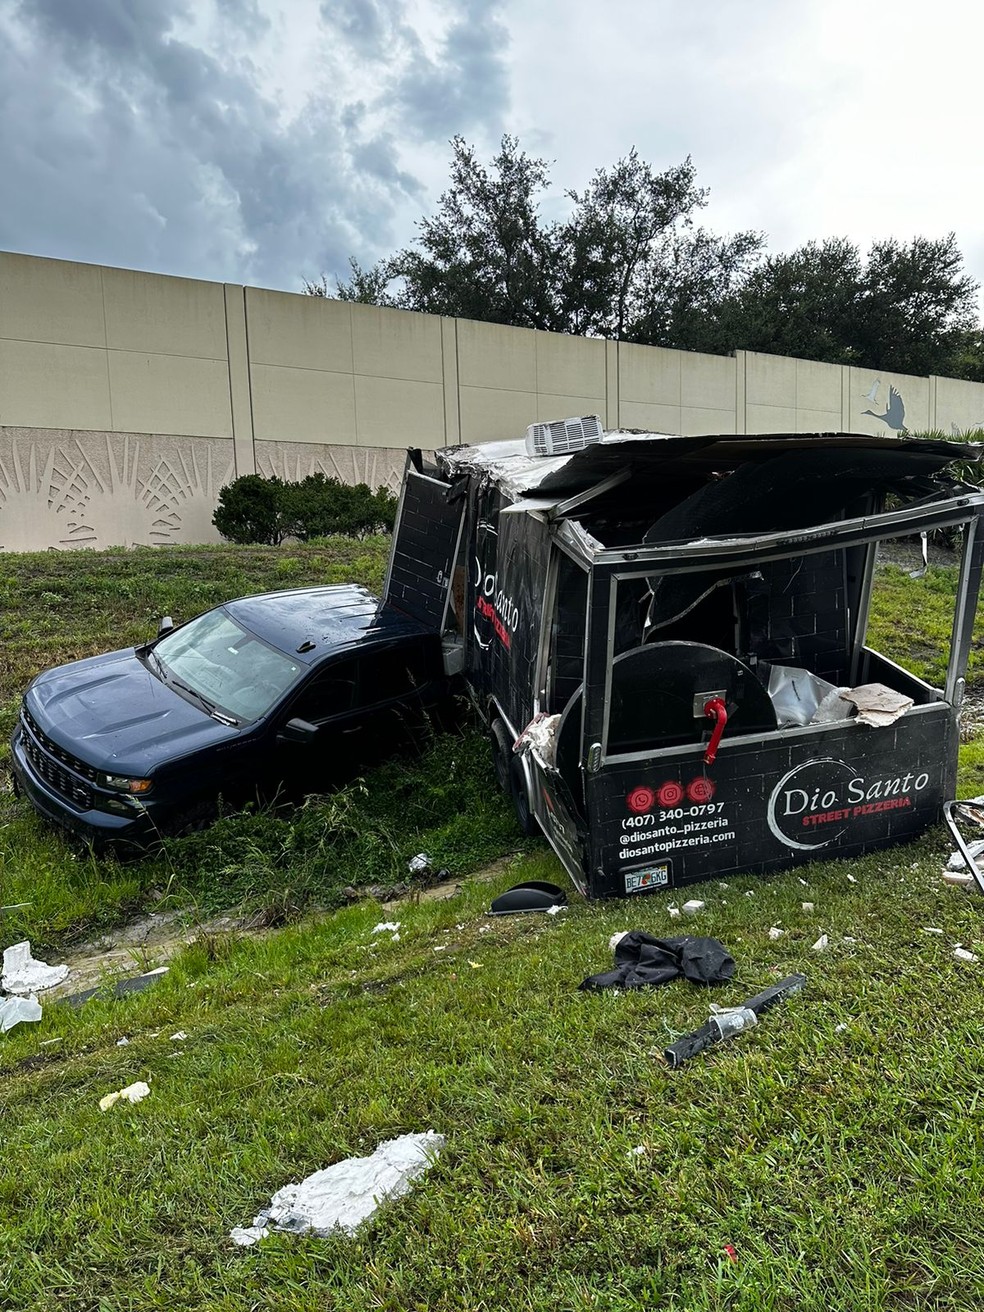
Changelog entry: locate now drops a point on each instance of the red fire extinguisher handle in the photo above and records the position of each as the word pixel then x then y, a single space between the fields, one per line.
pixel 715 710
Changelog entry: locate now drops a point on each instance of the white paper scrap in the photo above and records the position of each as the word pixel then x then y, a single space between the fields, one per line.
pixel 132 1093
pixel 22 974
pixel 346 1194
pixel 13 1010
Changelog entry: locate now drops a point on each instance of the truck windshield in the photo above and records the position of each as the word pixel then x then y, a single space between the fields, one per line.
pixel 226 665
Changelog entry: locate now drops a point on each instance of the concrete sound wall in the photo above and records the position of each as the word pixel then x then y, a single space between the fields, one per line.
pixel 128 399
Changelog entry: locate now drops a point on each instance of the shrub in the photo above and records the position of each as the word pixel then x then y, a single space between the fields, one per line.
pixel 250 509
pixel 267 510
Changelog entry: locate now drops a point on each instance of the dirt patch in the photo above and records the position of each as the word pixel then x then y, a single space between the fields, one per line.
pixel 153 940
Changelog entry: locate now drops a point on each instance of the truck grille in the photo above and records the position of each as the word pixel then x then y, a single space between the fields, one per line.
pixel 49 762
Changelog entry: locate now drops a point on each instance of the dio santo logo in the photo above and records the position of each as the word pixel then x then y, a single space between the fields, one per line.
pixel 820 801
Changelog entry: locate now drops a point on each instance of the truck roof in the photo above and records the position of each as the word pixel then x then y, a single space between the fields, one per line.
pixel 329 617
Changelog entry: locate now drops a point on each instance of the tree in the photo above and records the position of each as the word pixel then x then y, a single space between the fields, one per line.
pixel 487 253
pixel 627 262
pixel 917 305
pixel 904 307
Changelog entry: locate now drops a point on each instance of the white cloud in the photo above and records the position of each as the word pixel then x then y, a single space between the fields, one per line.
pixel 267 140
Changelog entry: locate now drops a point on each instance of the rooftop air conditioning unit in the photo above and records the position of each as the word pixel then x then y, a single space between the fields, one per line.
pixel 563 436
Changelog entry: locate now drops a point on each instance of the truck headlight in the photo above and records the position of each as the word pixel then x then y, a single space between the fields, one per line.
pixel 123 784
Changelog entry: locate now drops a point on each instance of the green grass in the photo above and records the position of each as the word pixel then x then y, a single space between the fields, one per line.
pixel 836 1147
pixel 842 1165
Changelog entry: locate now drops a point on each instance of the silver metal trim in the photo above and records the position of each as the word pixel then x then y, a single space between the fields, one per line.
pixel 563 508
pixel 408 466
pixel 864 611
pixel 965 611
pixel 454 565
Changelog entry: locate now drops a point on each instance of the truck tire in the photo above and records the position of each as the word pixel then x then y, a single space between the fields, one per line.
pixel 522 805
pixel 501 754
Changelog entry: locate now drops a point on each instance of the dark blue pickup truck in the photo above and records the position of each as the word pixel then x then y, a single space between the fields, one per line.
pixel 283 691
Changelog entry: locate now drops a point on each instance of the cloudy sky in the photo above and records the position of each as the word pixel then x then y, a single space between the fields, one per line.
pixel 266 141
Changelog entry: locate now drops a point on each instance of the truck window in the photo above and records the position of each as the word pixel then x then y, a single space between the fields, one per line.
pixel 387 675
pixel 331 693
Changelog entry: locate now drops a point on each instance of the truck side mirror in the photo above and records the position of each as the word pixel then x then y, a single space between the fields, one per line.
pixel 165 626
pixel 298 731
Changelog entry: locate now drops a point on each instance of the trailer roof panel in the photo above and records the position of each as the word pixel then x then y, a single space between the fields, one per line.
pixel 516 472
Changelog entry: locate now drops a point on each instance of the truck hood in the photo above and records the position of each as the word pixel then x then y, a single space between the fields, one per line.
pixel 112 713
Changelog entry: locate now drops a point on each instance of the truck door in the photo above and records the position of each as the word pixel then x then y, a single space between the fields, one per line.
pixel 425 546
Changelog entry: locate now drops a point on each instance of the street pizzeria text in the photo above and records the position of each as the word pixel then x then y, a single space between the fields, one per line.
pixel 821 807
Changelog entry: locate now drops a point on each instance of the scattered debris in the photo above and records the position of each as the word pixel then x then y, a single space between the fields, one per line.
pixel 132 984
pixel 959 880
pixel 877 705
pixel 839 1029
pixel 532 895
pixel 616 939
pixel 421 864
pixel 956 860
pixel 851 879
pixel 22 974
pixel 541 735
pixel 775 932
pixel 966 864
pixel 693 906
pixel 726 1023
pixel 644 961
pixel 929 929
pixel 556 909
pixel 821 944
pixel 674 913
pixel 807 906
pixel 346 1194
pixel 475 965
pixel 178 1036
pixel 132 1093
pixel 14 1010
pixel 386 926
pixel 962 954
pixel 122 1043
pixel 638 1151
pixel 729 1252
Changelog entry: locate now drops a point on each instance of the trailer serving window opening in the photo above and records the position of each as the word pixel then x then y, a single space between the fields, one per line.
pixel 915 591
pixel 817 614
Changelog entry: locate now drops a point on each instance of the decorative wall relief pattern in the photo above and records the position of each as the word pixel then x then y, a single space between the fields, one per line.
pixel 68 489
pixel 894 416
pixel 292 461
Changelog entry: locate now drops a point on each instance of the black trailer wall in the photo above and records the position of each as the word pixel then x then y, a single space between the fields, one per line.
pixel 507 583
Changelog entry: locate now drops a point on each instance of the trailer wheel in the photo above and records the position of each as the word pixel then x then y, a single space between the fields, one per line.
pixel 501 754
pixel 519 784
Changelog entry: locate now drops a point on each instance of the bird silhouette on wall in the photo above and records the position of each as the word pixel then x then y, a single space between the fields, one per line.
pixel 894 416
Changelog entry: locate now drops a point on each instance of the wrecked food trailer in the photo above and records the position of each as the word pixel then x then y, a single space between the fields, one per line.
pixel 659 630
